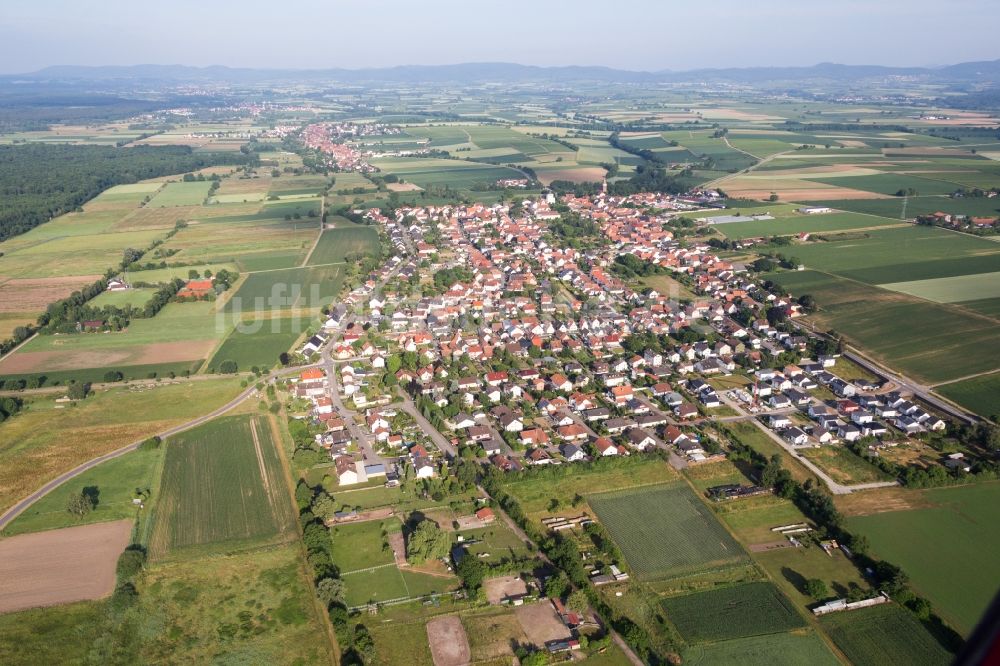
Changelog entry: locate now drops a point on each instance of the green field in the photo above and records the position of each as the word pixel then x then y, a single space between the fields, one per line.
pixel 665 530
pixel 335 244
pixel 388 582
pixel 220 485
pixel 974 287
pixel 897 255
pixel 796 649
pixel 260 343
pixel 137 298
pixel 535 492
pixel 456 173
pixel 928 542
pixel 181 194
pixel 360 546
pixel 890 183
pixel 300 288
pixel 873 635
pixel 922 205
pixel 732 612
pixel 35 447
pixel 979 394
pixel 55 635
pixel 795 224
pixel 248 608
pixel 932 341
pixel 116 482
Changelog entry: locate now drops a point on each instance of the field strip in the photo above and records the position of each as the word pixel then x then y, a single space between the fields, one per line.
pixel 260 456
pixel 366 570
pixel 962 379
pixel 309 254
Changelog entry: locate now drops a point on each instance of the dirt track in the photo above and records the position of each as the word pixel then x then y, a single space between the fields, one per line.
pixel 449 644
pixel 60 566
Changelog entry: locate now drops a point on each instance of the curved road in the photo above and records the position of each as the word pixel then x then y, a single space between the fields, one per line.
pixel 19 508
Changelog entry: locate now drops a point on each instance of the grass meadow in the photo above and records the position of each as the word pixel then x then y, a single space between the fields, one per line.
pixel 116 482
pixel 979 394
pixel 35 446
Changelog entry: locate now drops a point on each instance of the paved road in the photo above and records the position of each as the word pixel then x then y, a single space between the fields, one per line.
pixel 835 488
pixel 440 441
pixel 907 384
pixel 19 508
pixel 903 382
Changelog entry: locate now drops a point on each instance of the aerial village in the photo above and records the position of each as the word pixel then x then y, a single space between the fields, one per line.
pixel 518 350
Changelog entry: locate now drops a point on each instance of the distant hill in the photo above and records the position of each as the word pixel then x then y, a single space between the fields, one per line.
pixel 969 72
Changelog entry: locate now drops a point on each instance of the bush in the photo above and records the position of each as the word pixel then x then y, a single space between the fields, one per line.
pixel 113 376
pixel 130 562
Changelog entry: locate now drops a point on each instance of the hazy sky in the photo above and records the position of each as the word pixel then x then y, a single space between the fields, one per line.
pixel 631 34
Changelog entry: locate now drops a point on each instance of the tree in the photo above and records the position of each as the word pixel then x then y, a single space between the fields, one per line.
pixel 556 586
pixel 323 505
pixel 330 590
pixel 472 571
pixel 808 302
pixel 80 504
pixel 78 390
pixel 112 376
pixel 303 495
pixel 427 542
pixel 228 367
pixel 578 601
pixel 130 562
pixel 773 197
pixel 816 589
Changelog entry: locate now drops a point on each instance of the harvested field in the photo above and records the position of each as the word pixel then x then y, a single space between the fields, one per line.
pixel 25 362
pixel 497 589
pixel 541 623
pixel 35 294
pixel 60 566
pixel 449 644
pixel 403 187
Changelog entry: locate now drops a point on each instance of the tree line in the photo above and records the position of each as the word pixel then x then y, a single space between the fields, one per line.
pixel 39 182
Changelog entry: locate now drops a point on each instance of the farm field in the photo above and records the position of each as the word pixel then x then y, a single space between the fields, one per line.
pixel 349 180
pixel 260 343
pixel 791 649
pixel 458 174
pixel 927 541
pixel 336 244
pixel 180 335
pixel 115 481
pixel 867 635
pixel 665 531
pixel 930 341
pixel 34 447
pixel 978 286
pixel 297 288
pixel 979 394
pixel 889 256
pixel 732 612
pixel 181 194
pixel 795 224
pixel 33 569
pixel 535 493
pixel 222 485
